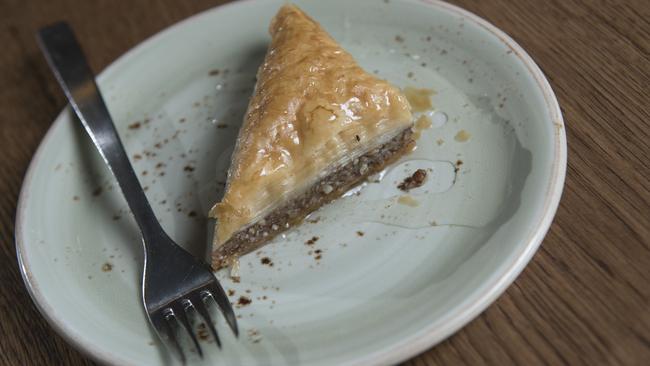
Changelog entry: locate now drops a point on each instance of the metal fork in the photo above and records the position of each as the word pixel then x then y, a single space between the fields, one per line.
pixel 174 283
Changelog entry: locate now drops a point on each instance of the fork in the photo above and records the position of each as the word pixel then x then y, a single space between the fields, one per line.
pixel 175 285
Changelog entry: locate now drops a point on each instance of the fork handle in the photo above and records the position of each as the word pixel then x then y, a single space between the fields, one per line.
pixel 67 61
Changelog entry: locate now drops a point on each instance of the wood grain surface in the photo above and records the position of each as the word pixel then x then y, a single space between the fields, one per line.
pixel 584 298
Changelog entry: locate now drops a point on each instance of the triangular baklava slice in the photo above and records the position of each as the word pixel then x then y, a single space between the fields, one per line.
pixel 317 124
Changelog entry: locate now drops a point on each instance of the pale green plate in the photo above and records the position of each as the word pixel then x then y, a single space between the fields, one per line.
pixel 392 280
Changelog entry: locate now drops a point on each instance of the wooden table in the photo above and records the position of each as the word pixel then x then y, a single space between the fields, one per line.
pixel 584 298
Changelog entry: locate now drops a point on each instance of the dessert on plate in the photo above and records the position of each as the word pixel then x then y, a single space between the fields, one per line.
pixel 316 125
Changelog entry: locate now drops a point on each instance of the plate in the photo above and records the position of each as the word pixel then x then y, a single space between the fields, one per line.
pixel 384 277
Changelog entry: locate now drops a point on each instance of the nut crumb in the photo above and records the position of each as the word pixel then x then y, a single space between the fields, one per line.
pixel 312 240
pixel 457 165
pixel 414 181
pixel 202 332
pixel 107 267
pixel 135 125
pixel 231 292
pixel 327 189
pixel 360 233
pixel 267 261
pixel 254 335
pixel 243 301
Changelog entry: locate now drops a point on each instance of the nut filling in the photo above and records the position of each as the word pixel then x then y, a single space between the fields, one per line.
pixel 324 191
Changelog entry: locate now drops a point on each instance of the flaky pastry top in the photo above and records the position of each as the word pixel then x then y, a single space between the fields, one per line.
pixel 312 110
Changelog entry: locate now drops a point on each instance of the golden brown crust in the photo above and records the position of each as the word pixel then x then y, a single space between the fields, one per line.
pixel 313 109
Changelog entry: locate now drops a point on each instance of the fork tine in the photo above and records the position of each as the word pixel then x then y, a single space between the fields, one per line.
pixel 199 306
pixel 168 316
pixel 180 309
pixel 219 296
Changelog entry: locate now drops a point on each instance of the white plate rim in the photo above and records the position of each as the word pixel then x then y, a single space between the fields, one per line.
pixel 417 342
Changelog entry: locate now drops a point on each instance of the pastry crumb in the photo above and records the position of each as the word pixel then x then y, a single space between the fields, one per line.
pixel 423 122
pixel 419 98
pixel 462 136
pixel 234 270
pixel 407 201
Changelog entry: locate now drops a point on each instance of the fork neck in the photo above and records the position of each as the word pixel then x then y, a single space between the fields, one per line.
pixel 65 57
